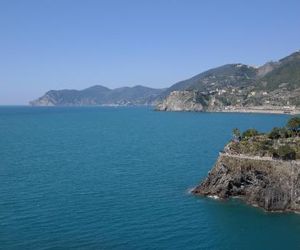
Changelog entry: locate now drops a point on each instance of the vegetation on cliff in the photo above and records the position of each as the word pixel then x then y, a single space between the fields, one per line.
pixel 279 143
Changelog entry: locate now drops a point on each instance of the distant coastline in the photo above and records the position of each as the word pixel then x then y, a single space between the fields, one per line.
pixel 271 88
pixel 227 109
pixel 262 109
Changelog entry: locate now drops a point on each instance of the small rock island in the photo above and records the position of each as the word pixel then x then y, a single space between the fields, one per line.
pixel 262 169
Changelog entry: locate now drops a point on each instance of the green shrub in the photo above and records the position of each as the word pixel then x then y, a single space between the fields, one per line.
pixel 285 152
pixel 277 133
pixel 294 124
pixel 249 133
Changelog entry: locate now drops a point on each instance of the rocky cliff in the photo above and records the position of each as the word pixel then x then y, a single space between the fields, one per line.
pixel 181 101
pixel 260 181
pixel 262 169
pixel 188 101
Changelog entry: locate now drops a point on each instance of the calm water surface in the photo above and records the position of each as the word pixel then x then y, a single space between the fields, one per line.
pixel 118 178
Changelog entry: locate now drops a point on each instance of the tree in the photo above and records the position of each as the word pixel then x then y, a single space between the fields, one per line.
pixel 285 152
pixel 277 133
pixel 250 133
pixel 236 133
pixel 294 124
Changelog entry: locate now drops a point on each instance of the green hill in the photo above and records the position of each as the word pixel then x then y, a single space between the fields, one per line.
pixel 286 74
pixel 224 76
pixel 99 95
pixel 235 86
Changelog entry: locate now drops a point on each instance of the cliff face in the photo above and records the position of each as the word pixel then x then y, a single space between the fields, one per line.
pixel 228 101
pixel 180 101
pixel 260 181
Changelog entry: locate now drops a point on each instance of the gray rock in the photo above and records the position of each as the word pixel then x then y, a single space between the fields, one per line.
pixel 270 184
pixel 184 101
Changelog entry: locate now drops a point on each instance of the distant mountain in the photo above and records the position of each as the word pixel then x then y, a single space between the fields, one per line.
pixel 284 73
pixel 231 87
pixel 238 86
pixel 99 95
pixel 270 76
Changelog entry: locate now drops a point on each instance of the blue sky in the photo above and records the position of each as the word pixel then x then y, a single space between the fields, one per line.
pixel 56 44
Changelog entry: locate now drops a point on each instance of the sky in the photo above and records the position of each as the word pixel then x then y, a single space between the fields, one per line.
pixel 59 44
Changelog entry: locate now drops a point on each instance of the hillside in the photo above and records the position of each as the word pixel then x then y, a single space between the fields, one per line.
pixel 226 75
pixel 99 95
pixel 237 87
pixel 285 74
pixel 231 88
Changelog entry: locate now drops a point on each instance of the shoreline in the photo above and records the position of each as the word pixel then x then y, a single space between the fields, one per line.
pixel 242 110
pixel 252 110
pixel 262 111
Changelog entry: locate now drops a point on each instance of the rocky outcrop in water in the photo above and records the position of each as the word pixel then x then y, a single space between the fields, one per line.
pixel 267 183
pixel 262 169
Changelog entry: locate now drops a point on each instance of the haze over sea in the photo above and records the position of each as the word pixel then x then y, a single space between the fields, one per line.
pixel 118 178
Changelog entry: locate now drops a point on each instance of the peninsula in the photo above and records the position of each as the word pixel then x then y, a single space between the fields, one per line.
pixel 261 169
pixel 99 96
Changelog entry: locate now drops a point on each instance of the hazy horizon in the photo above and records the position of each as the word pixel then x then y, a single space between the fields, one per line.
pixel 77 44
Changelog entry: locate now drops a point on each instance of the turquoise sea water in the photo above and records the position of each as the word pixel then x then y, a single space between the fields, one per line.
pixel 118 178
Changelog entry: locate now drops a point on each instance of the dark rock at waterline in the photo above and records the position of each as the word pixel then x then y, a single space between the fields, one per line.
pixel 273 185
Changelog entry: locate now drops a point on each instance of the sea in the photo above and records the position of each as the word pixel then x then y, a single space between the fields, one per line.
pixel 119 178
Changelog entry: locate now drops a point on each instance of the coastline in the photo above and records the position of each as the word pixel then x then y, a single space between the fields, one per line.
pixel 262 110
pixel 244 110
pixel 251 110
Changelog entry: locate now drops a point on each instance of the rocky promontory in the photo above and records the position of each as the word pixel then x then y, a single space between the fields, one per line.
pixel 261 169
pixel 271 184
pixel 187 101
